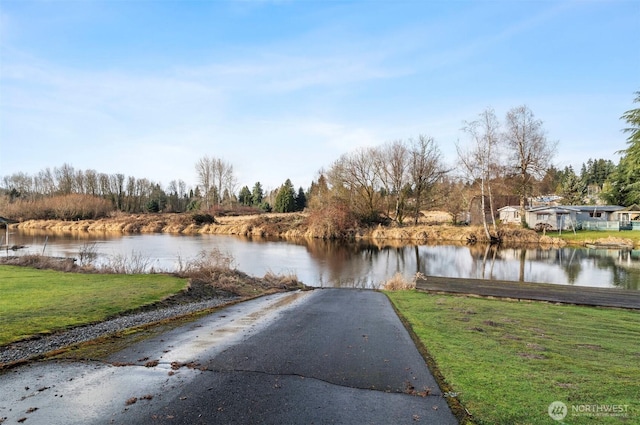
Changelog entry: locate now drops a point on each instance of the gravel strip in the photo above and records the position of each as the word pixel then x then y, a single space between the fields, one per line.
pixel 24 350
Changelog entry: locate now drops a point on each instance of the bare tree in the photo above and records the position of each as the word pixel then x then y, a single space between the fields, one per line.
pixel 91 182
pixel 22 183
pixel 530 153
pixel 215 177
pixel 105 188
pixel 355 179
pixel 393 162
pixel 116 184
pixel 425 168
pixel 482 158
pixel 182 188
pixel 452 197
pixel 80 182
pixel 223 179
pixel 66 178
pixel 132 199
pixel 48 181
pixel 204 170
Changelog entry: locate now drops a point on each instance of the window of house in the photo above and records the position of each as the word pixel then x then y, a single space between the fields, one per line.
pixel 543 217
pixel 595 215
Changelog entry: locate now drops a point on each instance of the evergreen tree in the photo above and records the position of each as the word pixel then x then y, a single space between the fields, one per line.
pixel 265 206
pixel 318 193
pixel 245 196
pixel 632 117
pixel 152 206
pixel 193 205
pixel 623 186
pixel 551 182
pixel 596 172
pixel 301 200
pixel 257 194
pixel 573 189
pixel 286 198
pixel 157 200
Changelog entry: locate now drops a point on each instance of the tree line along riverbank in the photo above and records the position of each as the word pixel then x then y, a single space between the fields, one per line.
pixel 292 225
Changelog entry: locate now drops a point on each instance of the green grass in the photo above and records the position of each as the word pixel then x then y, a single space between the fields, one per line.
pixel 36 301
pixel 509 360
pixel 589 235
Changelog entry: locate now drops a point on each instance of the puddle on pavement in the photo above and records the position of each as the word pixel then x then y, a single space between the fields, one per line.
pixel 76 392
pixel 214 333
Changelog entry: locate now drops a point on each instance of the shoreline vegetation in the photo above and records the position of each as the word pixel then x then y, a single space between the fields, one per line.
pixel 433 228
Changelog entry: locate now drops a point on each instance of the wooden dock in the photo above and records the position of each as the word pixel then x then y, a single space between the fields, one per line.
pixel 567 294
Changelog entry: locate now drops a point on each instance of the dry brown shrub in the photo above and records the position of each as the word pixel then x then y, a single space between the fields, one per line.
pixel 435 217
pixel 611 241
pixel 421 235
pixel 135 263
pixel 270 225
pixel 287 281
pixel 154 226
pixel 215 269
pixel 518 234
pixel 550 241
pixel 64 207
pixel 332 221
pixel 398 283
pixel 41 262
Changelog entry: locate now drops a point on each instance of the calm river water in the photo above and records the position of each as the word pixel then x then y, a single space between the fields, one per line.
pixel 361 265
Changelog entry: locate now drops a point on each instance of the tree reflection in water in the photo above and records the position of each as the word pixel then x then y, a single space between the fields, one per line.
pixel 363 264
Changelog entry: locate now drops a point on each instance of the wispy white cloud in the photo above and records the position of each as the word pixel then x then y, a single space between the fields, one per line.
pixel 317 92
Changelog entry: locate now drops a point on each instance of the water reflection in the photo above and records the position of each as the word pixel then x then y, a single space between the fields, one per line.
pixel 361 264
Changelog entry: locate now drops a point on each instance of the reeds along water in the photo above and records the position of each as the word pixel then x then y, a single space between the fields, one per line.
pixel 287 226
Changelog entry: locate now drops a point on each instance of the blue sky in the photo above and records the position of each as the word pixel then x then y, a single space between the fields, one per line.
pixel 281 89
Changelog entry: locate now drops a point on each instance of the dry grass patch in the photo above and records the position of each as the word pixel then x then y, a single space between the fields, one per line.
pixel 331 222
pixel 40 262
pixel 399 283
pixel 215 269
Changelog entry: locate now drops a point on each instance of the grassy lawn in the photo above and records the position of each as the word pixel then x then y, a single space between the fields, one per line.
pixel 36 301
pixel 508 361
pixel 590 235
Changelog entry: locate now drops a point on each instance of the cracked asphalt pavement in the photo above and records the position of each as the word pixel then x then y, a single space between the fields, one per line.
pixel 328 356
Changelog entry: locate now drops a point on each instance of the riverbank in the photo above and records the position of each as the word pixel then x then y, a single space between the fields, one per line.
pixel 288 226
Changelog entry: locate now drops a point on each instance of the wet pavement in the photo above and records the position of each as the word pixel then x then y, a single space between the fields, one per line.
pixel 323 356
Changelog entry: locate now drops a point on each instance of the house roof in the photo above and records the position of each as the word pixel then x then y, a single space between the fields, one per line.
pixel 588 208
pixel 634 207
pixel 579 208
pixel 509 208
pixel 556 209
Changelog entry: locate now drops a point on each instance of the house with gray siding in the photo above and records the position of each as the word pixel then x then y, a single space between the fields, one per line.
pixel 552 217
pixel 570 217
